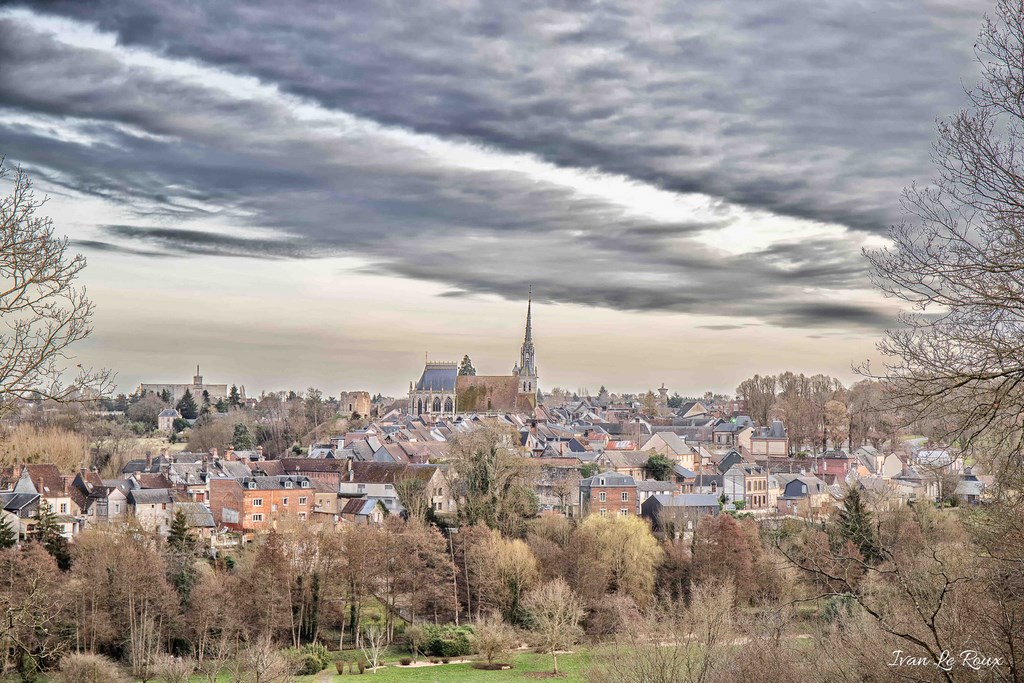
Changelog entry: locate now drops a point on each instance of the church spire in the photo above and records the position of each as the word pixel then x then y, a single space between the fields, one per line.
pixel 527 367
pixel 529 317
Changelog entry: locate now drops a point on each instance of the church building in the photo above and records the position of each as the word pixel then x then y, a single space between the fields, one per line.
pixel 442 392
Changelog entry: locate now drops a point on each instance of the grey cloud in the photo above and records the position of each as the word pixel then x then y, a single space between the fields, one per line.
pixel 315 192
pixel 814 109
pixel 201 243
pixel 99 245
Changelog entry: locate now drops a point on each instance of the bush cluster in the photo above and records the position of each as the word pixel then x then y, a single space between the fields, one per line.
pixel 310 659
pixel 448 641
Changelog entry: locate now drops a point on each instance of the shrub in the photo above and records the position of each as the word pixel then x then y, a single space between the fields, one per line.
pixel 81 668
pixel 493 639
pixel 445 660
pixel 362 666
pixel 171 669
pixel 405 661
pixel 448 641
pixel 340 666
pixel 310 659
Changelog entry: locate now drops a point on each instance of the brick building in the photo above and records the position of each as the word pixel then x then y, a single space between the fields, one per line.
pixel 608 493
pixel 257 503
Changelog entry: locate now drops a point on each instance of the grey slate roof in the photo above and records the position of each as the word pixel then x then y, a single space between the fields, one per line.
pixel 438 376
pixel 14 502
pixel 683 472
pixel 651 485
pixel 608 479
pixel 688 500
pixel 197 515
pixel 149 496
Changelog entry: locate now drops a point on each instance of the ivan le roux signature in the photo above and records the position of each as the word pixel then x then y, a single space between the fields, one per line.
pixel 971 659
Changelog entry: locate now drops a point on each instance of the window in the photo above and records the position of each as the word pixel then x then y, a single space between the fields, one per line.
pixel 623 512
pixel 117 508
pixel 604 513
pixel 257 502
pixel 302 500
pixel 257 518
pixel 284 501
pixel 389 487
pixel 625 496
pixel 602 496
pixel 302 515
pixel 163 506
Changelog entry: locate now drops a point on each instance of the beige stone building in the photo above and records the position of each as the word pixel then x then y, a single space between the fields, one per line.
pixel 354 402
pixel 197 387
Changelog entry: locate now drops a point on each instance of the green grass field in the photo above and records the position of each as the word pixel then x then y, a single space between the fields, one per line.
pixel 527 666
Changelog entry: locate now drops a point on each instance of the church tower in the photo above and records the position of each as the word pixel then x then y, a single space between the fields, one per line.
pixel 527 366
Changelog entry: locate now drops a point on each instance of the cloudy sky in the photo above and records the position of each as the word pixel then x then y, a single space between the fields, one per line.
pixel 320 193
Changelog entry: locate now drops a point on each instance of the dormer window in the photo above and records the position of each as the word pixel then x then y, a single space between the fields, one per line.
pixel 305 483
pixel 252 484
pixel 288 484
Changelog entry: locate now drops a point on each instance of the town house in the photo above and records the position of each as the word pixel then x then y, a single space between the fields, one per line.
pixel 608 493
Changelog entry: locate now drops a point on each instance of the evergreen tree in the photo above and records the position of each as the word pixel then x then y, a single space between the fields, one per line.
pixel 8 536
pixel 221 405
pixel 242 440
pixel 48 534
pixel 234 398
pixel 179 538
pixel 466 367
pixel 187 406
pixel 206 398
pixel 166 396
pixel 182 553
pixel 659 467
pixel 855 525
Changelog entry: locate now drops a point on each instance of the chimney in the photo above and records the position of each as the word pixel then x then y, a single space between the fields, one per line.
pixel 213 453
pixel 149 459
pixel 229 454
pixel 259 452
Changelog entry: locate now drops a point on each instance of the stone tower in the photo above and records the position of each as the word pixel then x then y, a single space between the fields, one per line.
pixel 526 369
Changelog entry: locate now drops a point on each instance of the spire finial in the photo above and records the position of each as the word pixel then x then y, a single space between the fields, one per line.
pixel 529 315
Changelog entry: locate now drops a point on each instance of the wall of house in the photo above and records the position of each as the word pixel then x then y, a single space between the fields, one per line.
pixel 616 499
pixel 262 509
pixel 155 516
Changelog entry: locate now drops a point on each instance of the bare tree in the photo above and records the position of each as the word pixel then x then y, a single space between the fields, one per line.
pixel 261 662
pixel 493 639
pixel 375 641
pixel 171 669
pixel 43 312
pixel 673 643
pixel 555 612
pixel 957 260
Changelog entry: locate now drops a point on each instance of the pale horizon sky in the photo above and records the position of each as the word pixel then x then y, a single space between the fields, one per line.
pixel 314 195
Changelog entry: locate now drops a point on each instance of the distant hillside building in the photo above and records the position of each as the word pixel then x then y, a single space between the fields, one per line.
pixel 354 402
pixel 442 392
pixel 217 391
